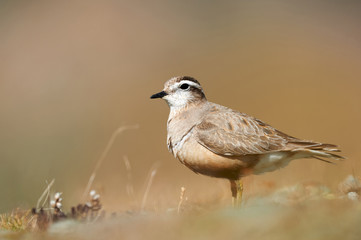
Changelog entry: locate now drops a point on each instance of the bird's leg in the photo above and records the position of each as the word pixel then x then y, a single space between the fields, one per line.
pixel 234 191
pixel 239 184
pixel 237 190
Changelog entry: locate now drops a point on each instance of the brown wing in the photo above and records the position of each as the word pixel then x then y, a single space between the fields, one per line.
pixel 231 133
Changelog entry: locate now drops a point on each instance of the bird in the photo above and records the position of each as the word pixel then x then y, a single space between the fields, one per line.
pixel 217 141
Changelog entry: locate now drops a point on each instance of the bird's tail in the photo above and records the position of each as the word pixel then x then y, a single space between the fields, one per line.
pixel 320 151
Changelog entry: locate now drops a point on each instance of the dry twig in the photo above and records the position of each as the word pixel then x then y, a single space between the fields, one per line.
pixel 104 155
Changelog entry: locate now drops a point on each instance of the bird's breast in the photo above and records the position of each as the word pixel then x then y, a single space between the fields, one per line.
pixel 201 160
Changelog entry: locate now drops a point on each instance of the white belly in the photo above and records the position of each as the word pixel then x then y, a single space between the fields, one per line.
pixel 273 161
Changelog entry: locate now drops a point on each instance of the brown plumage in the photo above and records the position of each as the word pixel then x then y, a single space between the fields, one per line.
pixel 231 133
pixel 220 142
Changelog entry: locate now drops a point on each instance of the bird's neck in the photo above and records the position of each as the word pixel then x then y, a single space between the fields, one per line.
pixel 177 110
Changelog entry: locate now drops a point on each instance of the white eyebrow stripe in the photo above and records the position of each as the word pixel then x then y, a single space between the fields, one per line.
pixel 189 83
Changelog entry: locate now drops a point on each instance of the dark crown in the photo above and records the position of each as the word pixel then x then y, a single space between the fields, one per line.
pixel 188 78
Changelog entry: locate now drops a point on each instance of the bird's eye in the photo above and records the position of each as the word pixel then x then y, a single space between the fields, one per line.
pixel 184 86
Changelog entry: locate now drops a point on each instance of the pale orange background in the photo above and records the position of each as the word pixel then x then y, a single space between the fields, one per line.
pixel 73 72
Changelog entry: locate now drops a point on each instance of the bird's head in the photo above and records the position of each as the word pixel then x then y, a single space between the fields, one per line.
pixel 181 91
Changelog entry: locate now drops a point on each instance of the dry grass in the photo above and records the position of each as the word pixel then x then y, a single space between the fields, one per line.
pixel 312 216
pixel 16 221
pixel 303 211
pixel 101 159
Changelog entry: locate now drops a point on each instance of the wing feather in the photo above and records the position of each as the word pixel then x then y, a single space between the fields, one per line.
pixel 231 133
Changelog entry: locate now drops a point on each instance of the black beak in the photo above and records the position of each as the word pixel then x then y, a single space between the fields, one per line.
pixel 159 95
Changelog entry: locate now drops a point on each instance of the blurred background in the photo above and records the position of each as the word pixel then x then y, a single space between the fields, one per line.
pixel 72 73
